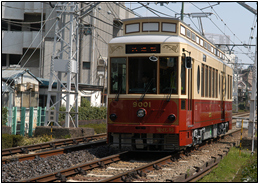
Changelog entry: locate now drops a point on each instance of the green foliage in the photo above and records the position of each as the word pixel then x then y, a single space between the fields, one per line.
pixel 35 140
pixel 228 167
pixel 249 173
pixel 85 112
pixel 85 103
pixel 17 139
pixel 4 115
pixel 98 128
pixel 7 141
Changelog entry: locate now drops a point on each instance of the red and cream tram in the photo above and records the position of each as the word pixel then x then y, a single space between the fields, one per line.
pixel 167 86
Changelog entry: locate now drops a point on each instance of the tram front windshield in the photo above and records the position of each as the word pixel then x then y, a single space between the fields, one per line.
pixel 142 75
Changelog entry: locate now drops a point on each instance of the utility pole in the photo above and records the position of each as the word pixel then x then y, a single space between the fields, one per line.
pixel 254 83
pixel 64 60
pixel 182 10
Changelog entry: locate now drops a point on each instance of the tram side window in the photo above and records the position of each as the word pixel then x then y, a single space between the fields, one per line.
pixel 142 75
pixel 216 91
pixel 206 81
pixel 210 82
pixel 230 87
pixel 118 76
pixel 169 75
pixel 202 80
pixel 183 77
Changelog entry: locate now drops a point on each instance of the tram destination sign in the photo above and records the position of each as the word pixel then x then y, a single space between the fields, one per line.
pixel 147 48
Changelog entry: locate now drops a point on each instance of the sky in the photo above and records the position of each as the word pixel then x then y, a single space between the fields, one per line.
pixel 228 18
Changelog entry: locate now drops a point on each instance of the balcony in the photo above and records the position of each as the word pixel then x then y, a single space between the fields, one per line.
pixel 13 42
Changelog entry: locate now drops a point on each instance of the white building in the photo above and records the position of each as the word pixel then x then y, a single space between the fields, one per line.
pixel 28 37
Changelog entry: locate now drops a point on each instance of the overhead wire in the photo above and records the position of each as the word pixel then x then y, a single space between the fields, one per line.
pixel 34 49
pixel 220 29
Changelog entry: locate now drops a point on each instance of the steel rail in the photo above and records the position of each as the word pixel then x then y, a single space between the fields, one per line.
pixel 54 152
pixel 53 144
pixel 142 170
pixel 79 169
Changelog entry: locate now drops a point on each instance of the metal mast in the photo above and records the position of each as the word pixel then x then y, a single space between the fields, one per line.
pixel 64 61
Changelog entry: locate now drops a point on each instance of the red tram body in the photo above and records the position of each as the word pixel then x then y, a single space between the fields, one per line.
pixel 179 106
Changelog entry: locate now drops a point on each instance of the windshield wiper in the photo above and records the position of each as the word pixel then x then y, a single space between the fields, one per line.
pixel 147 88
pixel 171 90
pixel 118 94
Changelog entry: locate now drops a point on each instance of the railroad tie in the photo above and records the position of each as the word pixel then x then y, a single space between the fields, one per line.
pixel 61 177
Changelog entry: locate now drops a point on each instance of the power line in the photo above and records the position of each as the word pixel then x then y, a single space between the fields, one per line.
pixel 219 28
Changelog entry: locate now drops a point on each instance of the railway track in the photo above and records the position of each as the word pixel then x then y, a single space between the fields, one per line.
pixel 57 151
pixel 54 144
pixel 133 174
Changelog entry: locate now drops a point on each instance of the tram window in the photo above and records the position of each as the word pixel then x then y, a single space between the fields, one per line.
pixel 202 80
pixel 210 82
pixel 150 26
pixel 131 28
pixel 198 79
pixel 219 84
pixel 206 81
pixel 205 45
pixel 193 36
pixel 142 75
pixel 118 76
pixel 197 39
pixel 169 27
pixel 168 75
pixel 201 42
pixel 182 30
pixel 230 87
pixel 188 33
pixel 211 49
pixel 183 77
pixel 204 58
pixel 216 90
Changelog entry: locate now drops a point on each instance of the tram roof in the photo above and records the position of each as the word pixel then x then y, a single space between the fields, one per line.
pixel 145 39
pixel 151 18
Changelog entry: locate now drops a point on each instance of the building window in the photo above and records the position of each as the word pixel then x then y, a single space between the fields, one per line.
pixel 86 65
pixel 4 26
pixel 16 26
pixel 3 59
pixel 14 59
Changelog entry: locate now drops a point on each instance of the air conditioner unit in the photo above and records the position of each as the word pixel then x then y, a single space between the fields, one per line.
pixel 102 61
pixel 20 88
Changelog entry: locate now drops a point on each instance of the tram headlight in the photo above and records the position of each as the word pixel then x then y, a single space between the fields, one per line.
pixel 171 117
pixel 113 117
pixel 141 113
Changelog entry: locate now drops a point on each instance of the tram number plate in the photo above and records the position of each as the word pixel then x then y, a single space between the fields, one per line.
pixel 141 104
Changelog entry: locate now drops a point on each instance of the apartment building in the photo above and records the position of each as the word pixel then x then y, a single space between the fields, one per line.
pixel 28 37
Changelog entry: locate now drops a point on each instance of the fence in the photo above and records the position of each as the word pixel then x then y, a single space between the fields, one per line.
pixel 24 120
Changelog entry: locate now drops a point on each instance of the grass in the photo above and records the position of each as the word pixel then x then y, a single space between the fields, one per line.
pixel 35 140
pixel 228 167
pixel 98 128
